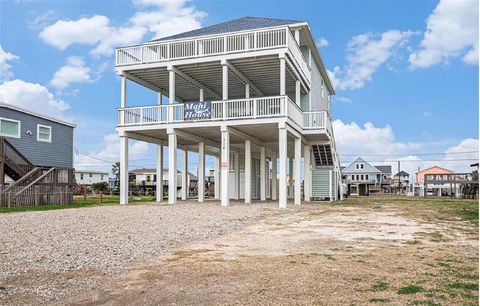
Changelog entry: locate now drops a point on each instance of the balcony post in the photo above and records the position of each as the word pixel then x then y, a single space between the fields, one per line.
pixel 185 181
pixel 124 168
pixel 201 172
pixel 171 92
pixel 172 166
pixel 298 187
pixel 216 178
pixel 290 176
pixel 248 172
pixel 263 172
pixel 159 183
pixel 307 180
pixel 282 76
pixel 200 95
pixel 237 175
pixel 274 176
pixel 225 165
pixel 123 93
pixel 297 36
pixel 247 91
pixel 282 153
pixel 297 92
pixel 224 80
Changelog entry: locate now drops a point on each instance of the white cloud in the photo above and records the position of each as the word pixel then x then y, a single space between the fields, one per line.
pixel 427 114
pixel 322 42
pixel 109 153
pixel 74 71
pixel 365 54
pixel 162 18
pixel 368 139
pixel 452 31
pixel 354 141
pixel 33 97
pixel 5 68
pixel 466 145
pixel 344 100
pixel 89 31
pixel 39 21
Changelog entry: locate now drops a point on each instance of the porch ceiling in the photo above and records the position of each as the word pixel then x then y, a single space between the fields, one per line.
pixel 263 72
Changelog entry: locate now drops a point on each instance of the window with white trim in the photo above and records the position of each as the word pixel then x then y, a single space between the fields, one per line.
pixel 10 127
pixel 44 133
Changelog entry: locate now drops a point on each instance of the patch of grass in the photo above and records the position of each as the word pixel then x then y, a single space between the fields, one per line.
pixel 412 289
pixel 379 300
pixel 107 200
pixel 380 286
pixel 464 286
pixel 444 264
pixel 424 302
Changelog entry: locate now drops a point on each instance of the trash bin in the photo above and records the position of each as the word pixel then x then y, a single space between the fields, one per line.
pixel 366 193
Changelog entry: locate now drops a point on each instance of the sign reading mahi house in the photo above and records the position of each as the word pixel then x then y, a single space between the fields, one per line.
pixel 197 110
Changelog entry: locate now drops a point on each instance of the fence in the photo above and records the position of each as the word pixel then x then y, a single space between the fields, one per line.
pixel 35 195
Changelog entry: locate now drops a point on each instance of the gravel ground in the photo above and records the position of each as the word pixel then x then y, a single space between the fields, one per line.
pixel 46 256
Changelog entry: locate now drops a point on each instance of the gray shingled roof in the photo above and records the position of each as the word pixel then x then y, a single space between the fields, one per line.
pixel 385 169
pixel 241 24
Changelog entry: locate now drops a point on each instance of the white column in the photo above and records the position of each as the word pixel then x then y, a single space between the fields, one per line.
pixel 282 154
pixel 171 92
pixel 274 176
pixel 263 173
pixel 159 186
pixel 225 166
pixel 248 171
pixel 201 95
pixel 123 94
pixel 216 178
pixel 224 82
pixel 172 167
pixel 297 92
pixel 247 91
pixel 290 176
pixel 237 175
pixel 298 185
pixel 185 173
pixel 307 185
pixel 201 172
pixel 124 169
pixel 282 76
pixel 330 178
pixel 159 98
pixel 297 36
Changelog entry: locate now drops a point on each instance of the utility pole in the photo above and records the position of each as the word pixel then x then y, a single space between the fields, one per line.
pixel 399 182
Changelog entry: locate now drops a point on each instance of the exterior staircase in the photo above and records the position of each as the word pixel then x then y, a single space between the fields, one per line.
pixel 323 155
pixel 32 185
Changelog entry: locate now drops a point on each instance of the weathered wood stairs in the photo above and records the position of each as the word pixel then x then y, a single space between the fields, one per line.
pixel 32 185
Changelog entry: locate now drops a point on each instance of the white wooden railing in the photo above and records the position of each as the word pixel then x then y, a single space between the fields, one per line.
pixel 213 45
pixel 264 107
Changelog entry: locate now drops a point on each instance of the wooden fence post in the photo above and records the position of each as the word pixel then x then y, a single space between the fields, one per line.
pixel 101 197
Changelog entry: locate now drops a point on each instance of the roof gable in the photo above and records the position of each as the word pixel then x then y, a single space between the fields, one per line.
pixel 241 24
pixel 436 167
pixel 367 168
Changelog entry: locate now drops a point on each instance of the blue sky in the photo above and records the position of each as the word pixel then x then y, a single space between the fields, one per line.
pixel 406 78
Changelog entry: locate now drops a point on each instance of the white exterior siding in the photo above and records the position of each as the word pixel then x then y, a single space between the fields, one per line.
pixel 318 103
pixel 89 178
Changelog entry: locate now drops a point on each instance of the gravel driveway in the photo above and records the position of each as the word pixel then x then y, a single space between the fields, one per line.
pixel 45 256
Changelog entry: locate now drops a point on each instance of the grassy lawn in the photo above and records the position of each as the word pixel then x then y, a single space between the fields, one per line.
pixel 89 202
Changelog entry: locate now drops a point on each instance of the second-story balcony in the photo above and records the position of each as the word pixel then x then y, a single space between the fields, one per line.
pixel 237 109
pixel 274 39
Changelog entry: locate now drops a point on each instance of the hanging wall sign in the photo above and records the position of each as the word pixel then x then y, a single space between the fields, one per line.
pixel 197 110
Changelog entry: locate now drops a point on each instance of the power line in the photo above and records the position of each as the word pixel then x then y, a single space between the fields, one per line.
pixel 443 153
pixel 421 160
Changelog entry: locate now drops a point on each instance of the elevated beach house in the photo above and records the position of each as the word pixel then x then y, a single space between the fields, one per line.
pixel 252 92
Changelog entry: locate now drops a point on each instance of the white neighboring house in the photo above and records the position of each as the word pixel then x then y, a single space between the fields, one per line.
pixel 85 177
pixel 260 96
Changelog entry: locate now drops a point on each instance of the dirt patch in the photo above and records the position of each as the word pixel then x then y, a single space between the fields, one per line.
pixel 313 254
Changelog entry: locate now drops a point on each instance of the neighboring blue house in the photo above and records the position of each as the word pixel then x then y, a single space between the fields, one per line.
pixel 36 154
